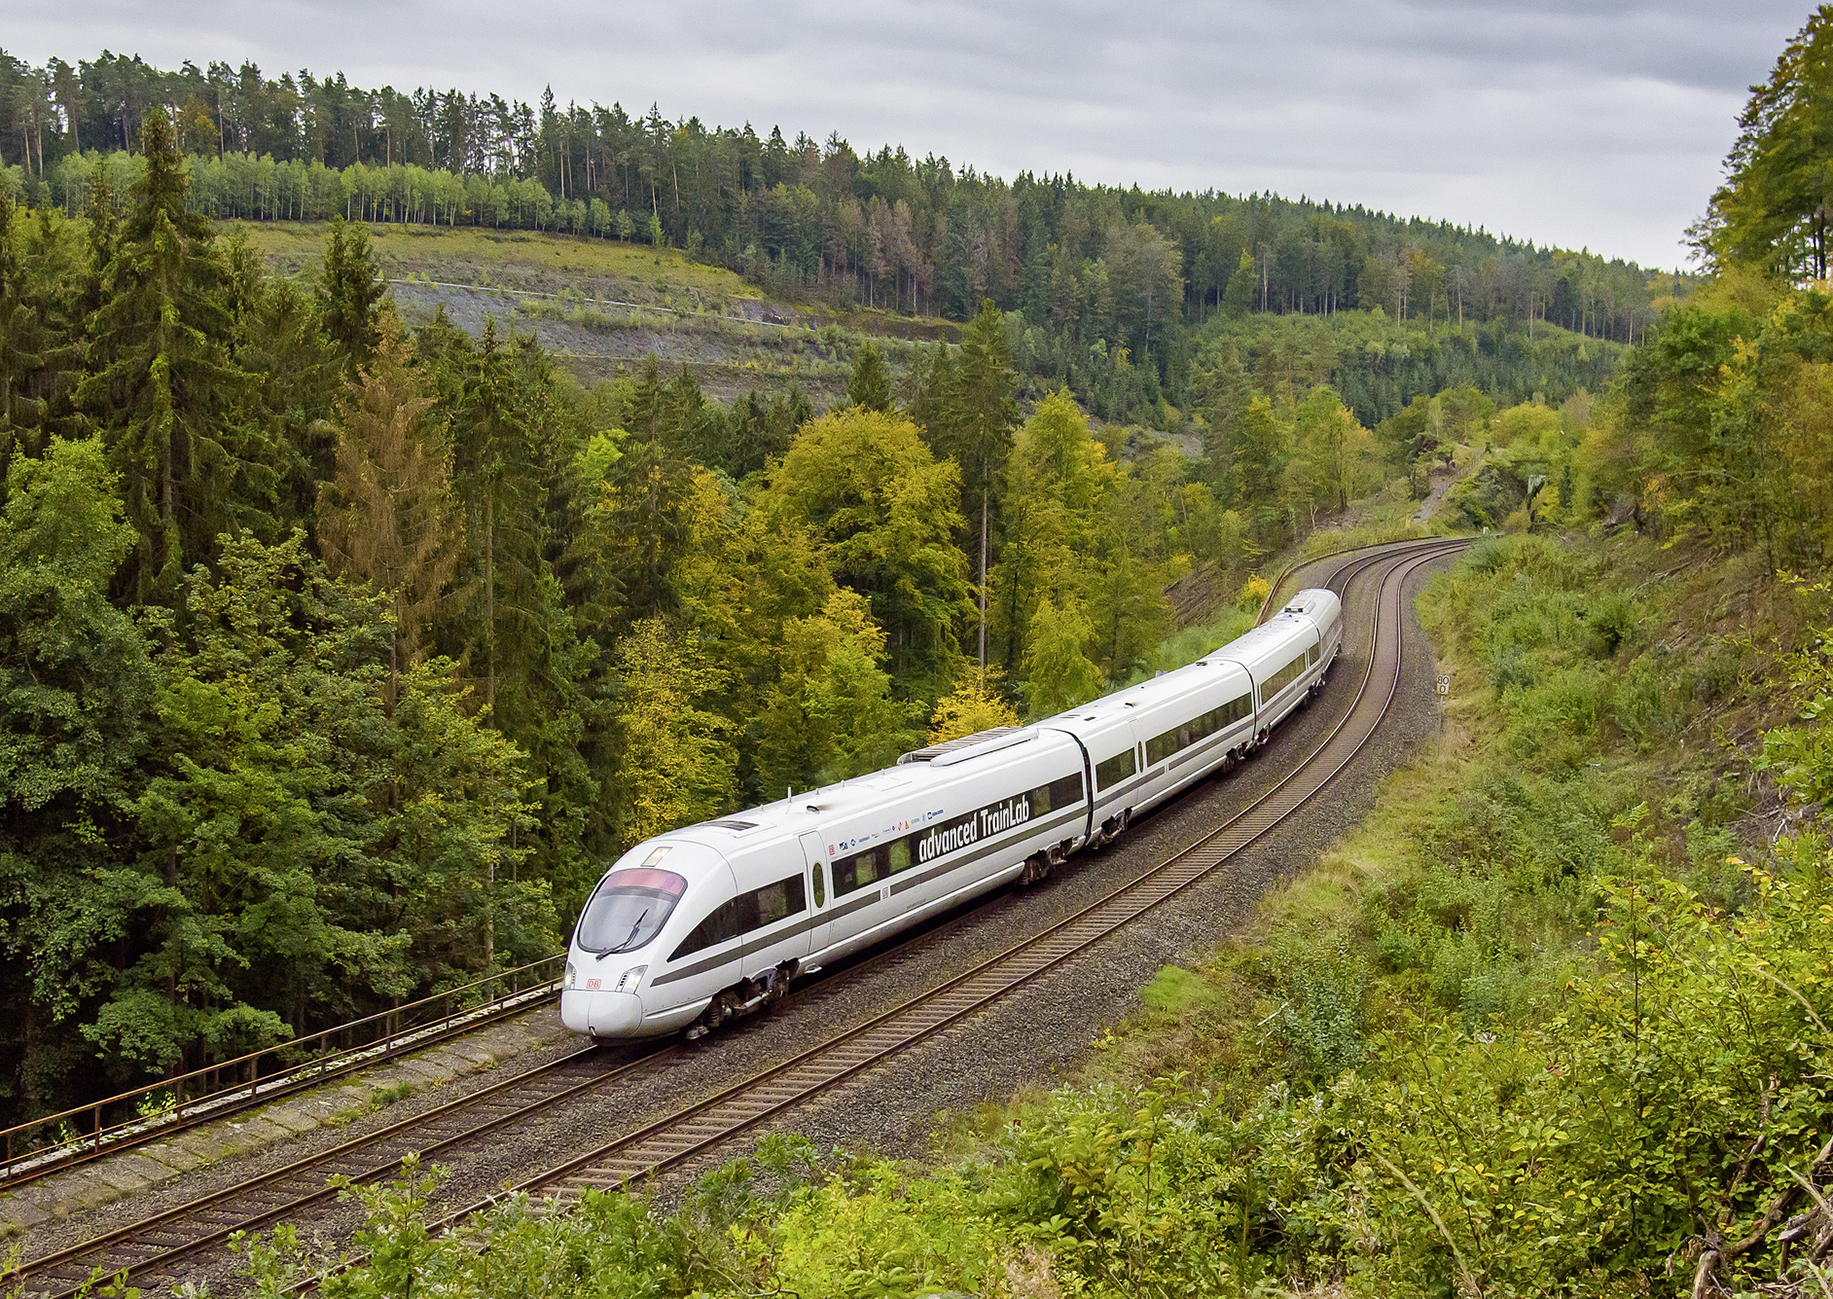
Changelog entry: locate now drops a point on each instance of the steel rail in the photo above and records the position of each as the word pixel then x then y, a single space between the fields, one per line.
pixel 697 1128
pixel 147 1249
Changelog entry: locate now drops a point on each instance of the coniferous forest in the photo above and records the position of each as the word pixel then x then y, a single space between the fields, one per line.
pixel 1552 1021
pixel 1110 288
pixel 338 656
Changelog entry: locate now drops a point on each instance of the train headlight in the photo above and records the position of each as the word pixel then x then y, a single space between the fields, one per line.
pixel 572 976
pixel 631 978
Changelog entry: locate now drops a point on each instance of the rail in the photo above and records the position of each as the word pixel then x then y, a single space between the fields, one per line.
pixel 43 1145
pixel 164 1245
pixel 1285 574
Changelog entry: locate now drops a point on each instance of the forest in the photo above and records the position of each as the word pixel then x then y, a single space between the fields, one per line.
pixel 1554 1020
pixel 1113 286
pixel 337 657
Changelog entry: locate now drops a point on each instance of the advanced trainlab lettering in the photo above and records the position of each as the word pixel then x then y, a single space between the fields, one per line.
pixel 973 827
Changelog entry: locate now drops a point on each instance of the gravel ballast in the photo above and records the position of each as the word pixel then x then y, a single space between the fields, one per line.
pixel 1025 1040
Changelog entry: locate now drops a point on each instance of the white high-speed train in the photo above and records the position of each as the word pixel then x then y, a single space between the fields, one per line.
pixel 697 926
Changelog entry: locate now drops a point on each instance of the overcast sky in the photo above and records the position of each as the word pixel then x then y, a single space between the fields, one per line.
pixel 1585 123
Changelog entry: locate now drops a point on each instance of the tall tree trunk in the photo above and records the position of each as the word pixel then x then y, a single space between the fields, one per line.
pixel 983 581
pixel 490 601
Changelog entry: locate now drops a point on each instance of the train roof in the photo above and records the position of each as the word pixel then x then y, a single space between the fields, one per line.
pixel 808 809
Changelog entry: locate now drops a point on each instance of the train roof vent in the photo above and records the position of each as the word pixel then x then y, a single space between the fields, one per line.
pixel 950 752
pixel 733 825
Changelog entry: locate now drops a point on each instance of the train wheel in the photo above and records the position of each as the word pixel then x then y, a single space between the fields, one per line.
pixel 1036 871
pixel 722 1012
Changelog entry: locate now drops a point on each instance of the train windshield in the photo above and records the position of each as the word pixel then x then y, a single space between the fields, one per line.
pixel 629 908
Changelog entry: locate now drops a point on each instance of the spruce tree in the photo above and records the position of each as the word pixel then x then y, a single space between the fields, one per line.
pixel 22 341
pixel 350 294
pixel 976 430
pixel 389 518
pixel 870 385
pixel 162 387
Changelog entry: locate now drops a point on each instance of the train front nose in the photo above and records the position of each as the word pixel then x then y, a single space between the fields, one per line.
pixel 602 1014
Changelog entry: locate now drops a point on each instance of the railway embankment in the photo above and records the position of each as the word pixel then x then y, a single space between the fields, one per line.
pixel 221 1149
pixel 1538 1020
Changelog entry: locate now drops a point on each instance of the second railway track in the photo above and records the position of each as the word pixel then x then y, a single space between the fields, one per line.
pixel 165 1247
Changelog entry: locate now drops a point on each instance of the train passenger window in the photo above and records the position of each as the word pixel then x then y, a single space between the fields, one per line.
pixel 1115 769
pixel 1311 654
pixel 1283 678
pixel 748 911
pixel 900 857
pixel 628 909
pixel 854 872
pixel 1057 794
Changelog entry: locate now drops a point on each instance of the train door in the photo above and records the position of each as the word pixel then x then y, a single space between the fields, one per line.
pixel 814 852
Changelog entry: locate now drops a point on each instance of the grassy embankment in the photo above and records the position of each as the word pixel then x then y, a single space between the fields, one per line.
pixel 1535 1026
pixel 601 307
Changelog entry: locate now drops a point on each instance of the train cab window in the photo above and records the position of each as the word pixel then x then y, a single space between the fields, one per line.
pixel 628 909
pixel 744 913
pixel 1116 769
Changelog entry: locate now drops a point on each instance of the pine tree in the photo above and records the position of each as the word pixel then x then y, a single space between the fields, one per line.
pixel 389 517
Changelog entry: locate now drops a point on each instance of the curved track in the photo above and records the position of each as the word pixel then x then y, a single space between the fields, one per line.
pixel 701 1126
pixel 156 1250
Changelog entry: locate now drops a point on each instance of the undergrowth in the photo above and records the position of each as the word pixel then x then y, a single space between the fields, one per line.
pixel 1553 1020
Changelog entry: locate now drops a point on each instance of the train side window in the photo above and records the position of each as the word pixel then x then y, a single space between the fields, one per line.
pixel 900 856
pixel 744 913
pixel 1283 678
pixel 1116 769
pixel 1057 794
pixel 716 928
pixel 775 902
pixel 1311 654
pixel 820 885
pixel 854 872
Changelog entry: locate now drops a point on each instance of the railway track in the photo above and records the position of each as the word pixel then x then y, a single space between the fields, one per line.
pixel 165 1247
pixel 697 1128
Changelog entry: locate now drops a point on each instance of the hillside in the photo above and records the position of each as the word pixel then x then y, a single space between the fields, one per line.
pixel 1117 291
pixel 600 308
